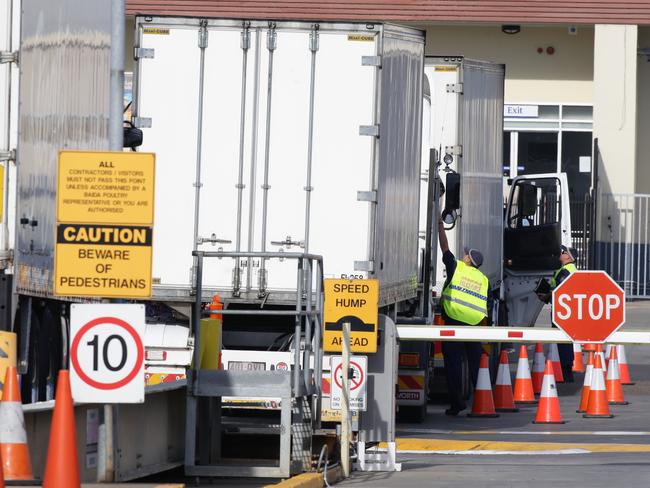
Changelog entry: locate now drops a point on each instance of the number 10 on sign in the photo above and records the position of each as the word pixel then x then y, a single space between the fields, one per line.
pixel 107 353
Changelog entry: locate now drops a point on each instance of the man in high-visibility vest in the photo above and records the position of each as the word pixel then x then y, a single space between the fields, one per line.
pixel 567 260
pixel 464 302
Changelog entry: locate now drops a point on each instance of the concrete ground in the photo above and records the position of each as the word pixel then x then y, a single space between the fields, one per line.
pixel 512 451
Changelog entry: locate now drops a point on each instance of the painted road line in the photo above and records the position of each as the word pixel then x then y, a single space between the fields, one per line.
pixel 406 445
pixel 524 432
pixel 490 452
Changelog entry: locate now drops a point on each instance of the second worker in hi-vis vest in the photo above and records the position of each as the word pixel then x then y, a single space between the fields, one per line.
pixel 568 265
pixel 464 302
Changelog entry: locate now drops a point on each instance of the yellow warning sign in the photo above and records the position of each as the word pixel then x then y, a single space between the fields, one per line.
pixel 446 68
pixel 361 37
pixel 356 302
pixel 156 30
pixel 7 355
pixel 104 229
pixel 105 187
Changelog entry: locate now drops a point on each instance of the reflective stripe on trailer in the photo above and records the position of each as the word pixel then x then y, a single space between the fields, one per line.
pixel 411 382
pixel 505 334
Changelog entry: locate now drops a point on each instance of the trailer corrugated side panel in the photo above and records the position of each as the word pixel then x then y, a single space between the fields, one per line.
pixel 398 169
pixel 64 104
pixel 481 137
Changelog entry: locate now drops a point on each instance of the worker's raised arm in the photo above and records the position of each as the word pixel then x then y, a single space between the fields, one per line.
pixel 442 236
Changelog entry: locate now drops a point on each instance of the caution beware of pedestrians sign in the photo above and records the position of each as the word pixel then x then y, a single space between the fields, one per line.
pixel 356 302
pixel 104 229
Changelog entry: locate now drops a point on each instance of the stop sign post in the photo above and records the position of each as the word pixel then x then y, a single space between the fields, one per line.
pixel 589 306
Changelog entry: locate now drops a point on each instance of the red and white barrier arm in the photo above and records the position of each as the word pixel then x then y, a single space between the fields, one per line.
pixel 505 334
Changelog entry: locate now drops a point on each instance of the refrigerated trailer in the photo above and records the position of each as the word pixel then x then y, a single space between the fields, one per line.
pixel 281 139
pixel 462 138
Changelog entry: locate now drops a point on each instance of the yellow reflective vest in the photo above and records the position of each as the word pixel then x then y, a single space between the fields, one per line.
pixel 465 297
pixel 569 267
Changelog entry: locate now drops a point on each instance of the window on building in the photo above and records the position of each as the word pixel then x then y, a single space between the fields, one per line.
pixel 537 153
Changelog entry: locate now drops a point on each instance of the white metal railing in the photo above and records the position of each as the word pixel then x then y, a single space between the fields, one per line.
pixel 623 243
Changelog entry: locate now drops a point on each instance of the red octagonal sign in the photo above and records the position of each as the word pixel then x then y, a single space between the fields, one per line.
pixel 589 306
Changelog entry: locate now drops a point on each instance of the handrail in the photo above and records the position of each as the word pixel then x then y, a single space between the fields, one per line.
pixel 309 307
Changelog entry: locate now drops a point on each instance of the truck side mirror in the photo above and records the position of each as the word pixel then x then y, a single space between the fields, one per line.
pixel 132 136
pixel 528 199
pixel 452 198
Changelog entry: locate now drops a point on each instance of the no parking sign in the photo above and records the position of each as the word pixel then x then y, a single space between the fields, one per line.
pixel 107 353
pixel 358 381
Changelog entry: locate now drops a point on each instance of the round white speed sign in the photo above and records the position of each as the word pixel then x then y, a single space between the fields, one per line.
pixel 107 353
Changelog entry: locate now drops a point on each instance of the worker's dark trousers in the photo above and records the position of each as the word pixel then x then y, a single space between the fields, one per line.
pixel 566 355
pixel 453 353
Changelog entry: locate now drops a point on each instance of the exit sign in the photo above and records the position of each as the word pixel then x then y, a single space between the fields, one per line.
pixel 521 111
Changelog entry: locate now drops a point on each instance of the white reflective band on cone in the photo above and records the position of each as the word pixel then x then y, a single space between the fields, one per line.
pixel 549 389
pixel 483 381
pixel 523 370
pixel 12 423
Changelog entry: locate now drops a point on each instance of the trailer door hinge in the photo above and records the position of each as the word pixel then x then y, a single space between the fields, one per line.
pixel 371 61
pixel 8 57
pixel 367 196
pixel 454 150
pixel 203 34
pixel 141 122
pixel 8 155
pixel 368 266
pixel 369 130
pixel 455 88
pixel 143 53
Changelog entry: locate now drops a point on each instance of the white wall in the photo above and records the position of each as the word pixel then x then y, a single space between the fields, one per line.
pixel 564 77
pixel 615 72
pixel 643 116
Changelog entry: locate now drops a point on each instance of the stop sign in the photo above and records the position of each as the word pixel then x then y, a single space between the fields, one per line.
pixel 589 306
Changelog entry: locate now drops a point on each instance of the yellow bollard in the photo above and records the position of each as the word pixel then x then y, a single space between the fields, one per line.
pixel 7 354
pixel 210 330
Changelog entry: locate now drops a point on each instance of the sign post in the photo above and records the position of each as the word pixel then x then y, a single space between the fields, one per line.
pixel 589 306
pixel 345 410
pixel 107 353
pixel 356 302
pixel 104 228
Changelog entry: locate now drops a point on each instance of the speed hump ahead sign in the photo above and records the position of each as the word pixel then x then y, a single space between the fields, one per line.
pixel 356 302
pixel 107 353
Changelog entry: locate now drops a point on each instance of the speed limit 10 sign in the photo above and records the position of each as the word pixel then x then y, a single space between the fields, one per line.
pixel 107 353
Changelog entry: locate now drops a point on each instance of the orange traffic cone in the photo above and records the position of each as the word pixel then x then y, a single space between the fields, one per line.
pixel 578 363
pixel 548 411
pixel 608 354
pixel 2 476
pixel 523 382
pixel 613 383
pixel 503 398
pixel 538 368
pixel 623 367
pixel 13 438
pixel 554 356
pixel 599 352
pixel 584 397
pixel 62 467
pixel 589 347
pixel 483 405
pixel 597 406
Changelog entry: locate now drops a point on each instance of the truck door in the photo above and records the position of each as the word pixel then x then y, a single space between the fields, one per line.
pixel 537 222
